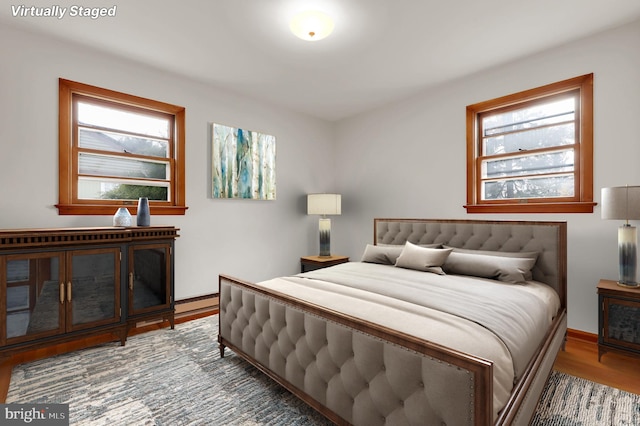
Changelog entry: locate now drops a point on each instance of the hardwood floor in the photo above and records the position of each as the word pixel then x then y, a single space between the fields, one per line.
pixel 580 358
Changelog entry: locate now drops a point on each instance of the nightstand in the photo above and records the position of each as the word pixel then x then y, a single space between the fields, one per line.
pixel 618 319
pixel 310 263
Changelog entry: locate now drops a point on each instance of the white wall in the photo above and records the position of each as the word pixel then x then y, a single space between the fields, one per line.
pixel 404 160
pixel 408 159
pixel 253 240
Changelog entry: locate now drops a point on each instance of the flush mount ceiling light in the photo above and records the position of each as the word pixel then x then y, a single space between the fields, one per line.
pixel 311 25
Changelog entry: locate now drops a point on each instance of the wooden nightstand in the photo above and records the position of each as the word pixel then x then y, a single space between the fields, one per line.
pixel 310 263
pixel 618 319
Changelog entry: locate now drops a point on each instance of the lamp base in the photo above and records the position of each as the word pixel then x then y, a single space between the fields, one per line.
pixel 627 255
pixel 324 227
pixel 629 285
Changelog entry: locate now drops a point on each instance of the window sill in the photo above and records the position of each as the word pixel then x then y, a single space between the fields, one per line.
pixel 110 209
pixel 571 207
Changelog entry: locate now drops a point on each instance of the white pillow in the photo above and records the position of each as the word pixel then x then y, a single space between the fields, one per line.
pixel 422 258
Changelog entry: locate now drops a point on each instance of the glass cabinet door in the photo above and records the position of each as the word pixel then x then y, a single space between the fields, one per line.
pixel 93 287
pixel 149 273
pixel 622 322
pixel 34 295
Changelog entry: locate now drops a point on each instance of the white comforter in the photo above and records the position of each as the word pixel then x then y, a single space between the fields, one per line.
pixel 500 322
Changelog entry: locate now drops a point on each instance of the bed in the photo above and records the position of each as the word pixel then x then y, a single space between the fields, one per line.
pixel 443 322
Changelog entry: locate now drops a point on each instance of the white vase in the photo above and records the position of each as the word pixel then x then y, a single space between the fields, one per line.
pixel 122 217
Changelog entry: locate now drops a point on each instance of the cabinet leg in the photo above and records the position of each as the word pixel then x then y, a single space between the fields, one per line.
pixel 123 335
pixel 600 353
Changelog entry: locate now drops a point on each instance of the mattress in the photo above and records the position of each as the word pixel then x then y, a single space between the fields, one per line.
pixel 496 321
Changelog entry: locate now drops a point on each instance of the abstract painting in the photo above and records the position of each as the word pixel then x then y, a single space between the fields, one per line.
pixel 243 163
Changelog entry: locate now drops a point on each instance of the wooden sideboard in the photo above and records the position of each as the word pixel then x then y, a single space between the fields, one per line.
pixel 62 284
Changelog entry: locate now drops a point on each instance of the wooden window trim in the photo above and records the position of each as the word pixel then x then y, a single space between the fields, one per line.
pixel 67 180
pixel 584 185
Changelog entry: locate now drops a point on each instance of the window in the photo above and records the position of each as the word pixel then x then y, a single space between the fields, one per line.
pixel 532 152
pixel 115 148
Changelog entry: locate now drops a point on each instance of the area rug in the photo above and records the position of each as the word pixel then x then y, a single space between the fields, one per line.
pixel 176 377
pixel 573 401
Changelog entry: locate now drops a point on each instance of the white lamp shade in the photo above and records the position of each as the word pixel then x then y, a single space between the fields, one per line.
pixel 311 25
pixel 324 204
pixel 621 203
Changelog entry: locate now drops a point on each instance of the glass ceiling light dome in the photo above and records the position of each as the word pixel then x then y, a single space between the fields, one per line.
pixel 311 25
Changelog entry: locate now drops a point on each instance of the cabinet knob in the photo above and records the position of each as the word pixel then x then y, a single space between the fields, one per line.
pixel 131 281
pixel 61 292
pixel 69 291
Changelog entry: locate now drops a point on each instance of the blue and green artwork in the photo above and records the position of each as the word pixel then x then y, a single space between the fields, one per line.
pixel 243 164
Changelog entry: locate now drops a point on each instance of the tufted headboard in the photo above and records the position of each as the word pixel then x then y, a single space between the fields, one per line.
pixel 549 239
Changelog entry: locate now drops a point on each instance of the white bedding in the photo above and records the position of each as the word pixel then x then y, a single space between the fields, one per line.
pixel 401 299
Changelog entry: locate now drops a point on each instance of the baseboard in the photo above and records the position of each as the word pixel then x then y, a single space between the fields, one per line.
pixel 582 335
pixel 190 307
pixel 197 305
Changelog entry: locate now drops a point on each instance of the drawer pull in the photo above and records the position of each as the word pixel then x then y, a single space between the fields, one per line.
pixel 69 291
pixel 61 292
pixel 131 281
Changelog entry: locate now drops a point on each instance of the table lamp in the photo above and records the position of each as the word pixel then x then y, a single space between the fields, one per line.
pixel 324 205
pixel 623 203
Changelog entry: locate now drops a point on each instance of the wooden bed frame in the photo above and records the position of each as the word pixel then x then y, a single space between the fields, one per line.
pixel 258 325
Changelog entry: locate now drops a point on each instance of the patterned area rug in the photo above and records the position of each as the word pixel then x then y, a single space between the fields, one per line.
pixel 572 401
pixel 176 377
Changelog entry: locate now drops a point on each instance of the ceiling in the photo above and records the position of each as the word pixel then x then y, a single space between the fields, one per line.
pixel 380 50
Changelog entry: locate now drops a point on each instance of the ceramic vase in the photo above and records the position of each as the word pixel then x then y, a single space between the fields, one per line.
pixel 143 215
pixel 122 217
